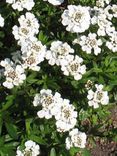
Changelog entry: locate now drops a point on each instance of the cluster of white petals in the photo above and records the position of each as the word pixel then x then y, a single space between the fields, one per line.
pixel 31 149
pixel 76 139
pixel 1 21
pixel 48 102
pixel 112 43
pixel 33 53
pixel 58 53
pixel 20 5
pixel 76 18
pixel 55 2
pixel 54 105
pixel 74 67
pixel 90 43
pixel 101 3
pixel 66 116
pixel 28 27
pixel 97 97
pixel 103 18
pixel 15 74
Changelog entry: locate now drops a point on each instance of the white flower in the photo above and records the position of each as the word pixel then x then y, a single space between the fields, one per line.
pixel 14 74
pixel 58 53
pixel 29 21
pixel 1 21
pixel 31 62
pixel 74 67
pixel 31 148
pixel 55 2
pixel 114 10
pixel 66 116
pixel 21 4
pixel 101 3
pixel 97 97
pixel 102 18
pixel 90 43
pixel 76 139
pixel 22 33
pixel 112 44
pixel 50 103
pixel 76 18
pixel 34 47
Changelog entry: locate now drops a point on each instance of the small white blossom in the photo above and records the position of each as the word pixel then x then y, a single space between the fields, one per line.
pixel 66 116
pixel 21 4
pixel 76 139
pixel 74 67
pixel 58 53
pixel 22 33
pixel 1 21
pixel 102 18
pixel 31 148
pixel 50 103
pixel 90 43
pixel 29 21
pixel 114 10
pixel 14 74
pixel 76 18
pixel 55 2
pixel 97 97
pixel 112 44
pixel 101 3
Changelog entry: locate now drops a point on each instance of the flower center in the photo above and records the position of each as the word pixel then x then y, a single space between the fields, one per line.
pixel 77 16
pixel 47 101
pixel 24 31
pixel 92 42
pixel 99 95
pixel 12 74
pixel 67 113
pixel 30 60
pixel 74 66
pixel 36 47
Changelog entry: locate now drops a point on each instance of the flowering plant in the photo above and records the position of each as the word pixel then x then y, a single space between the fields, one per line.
pixel 58 77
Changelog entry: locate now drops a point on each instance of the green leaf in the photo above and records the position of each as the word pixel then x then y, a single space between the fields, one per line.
pixel 11 130
pixel 52 152
pixel 38 139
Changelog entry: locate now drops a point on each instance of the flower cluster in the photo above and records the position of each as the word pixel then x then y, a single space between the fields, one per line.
pixel 1 21
pixel 15 74
pixel 61 54
pixel 31 149
pixel 20 5
pixel 89 43
pixel 55 2
pixel 54 105
pixel 76 139
pixel 28 27
pixel 99 96
pixel 100 17
pixel 76 18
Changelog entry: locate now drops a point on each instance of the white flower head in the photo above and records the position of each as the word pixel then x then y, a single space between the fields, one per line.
pixel 76 18
pixel 14 74
pixel 50 103
pixel 1 21
pixel 74 67
pixel 21 4
pixel 76 139
pixel 29 21
pixel 58 53
pixel 97 97
pixel 112 44
pixel 55 2
pixel 66 117
pixel 31 148
pixel 90 43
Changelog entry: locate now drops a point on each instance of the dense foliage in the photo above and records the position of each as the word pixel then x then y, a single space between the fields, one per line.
pixel 19 121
